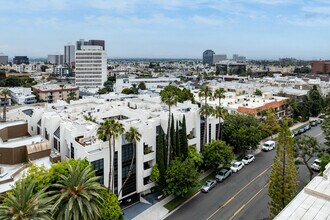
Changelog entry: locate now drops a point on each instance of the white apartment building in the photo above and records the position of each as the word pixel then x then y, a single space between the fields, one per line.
pixel 69 134
pixel 21 95
pixel 91 67
pixel 151 83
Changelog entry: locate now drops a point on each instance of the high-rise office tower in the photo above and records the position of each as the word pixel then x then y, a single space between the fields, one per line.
pixel 69 54
pixel 97 42
pixel 208 57
pixel 82 42
pixel 91 66
pixel 3 59
pixel 55 59
pixel 20 60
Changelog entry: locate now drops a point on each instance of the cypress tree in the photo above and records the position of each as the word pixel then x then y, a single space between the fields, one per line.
pixel 161 154
pixel 177 140
pixel 172 137
pixel 283 178
pixel 184 140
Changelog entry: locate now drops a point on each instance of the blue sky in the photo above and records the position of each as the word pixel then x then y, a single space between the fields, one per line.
pixel 258 29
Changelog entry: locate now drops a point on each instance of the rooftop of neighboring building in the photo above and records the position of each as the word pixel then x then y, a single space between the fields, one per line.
pixel 22 141
pixel 313 202
pixel 54 87
pixel 12 173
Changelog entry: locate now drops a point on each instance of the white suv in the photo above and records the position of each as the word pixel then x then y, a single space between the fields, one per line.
pixel 316 166
pixel 268 145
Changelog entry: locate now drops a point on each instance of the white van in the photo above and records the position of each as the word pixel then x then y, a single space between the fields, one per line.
pixel 268 145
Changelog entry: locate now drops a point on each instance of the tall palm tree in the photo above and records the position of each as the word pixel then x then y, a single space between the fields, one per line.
pixel 205 92
pixel 169 97
pixel 5 93
pixel 205 110
pixel 77 195
pixel 109 130
pixel 132 135
pixel 219 113
pixel 22 203
pixel 219 94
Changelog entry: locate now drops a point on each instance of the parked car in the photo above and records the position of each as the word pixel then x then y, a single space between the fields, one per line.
pixel 301 130
pixel 237 166
pixel 307 127
pixel 223 174
pixel 319 121
pixel 268 145
pixel 210 184
pixel 248 159
pixel 295 133
pixel 316 165
pixel 313 123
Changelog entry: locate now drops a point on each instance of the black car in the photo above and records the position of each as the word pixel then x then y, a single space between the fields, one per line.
pixel 307 127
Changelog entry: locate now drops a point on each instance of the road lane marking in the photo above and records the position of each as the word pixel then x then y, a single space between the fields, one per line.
pixel 318 134
pixel 242 207
pixel 229 200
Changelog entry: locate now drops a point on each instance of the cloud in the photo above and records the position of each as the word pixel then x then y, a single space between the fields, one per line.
pixel 322 10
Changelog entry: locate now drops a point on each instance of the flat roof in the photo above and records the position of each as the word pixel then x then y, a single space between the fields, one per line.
pixel 23 141
pixel 11 123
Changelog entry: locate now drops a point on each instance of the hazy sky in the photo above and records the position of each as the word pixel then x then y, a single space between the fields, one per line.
pixel 169 28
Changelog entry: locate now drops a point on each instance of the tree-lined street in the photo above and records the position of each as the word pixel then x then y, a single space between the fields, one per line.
pixel 244 195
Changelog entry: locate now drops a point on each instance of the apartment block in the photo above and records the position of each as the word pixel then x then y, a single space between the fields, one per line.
pixel 54 92
pixel 72 136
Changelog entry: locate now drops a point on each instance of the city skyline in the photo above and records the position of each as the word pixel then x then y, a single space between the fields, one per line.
pixel 258 29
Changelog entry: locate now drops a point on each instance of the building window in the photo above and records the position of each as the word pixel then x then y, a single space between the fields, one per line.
pixel 98 166
pixel 38 130
pixel 46 134
pixel 72 151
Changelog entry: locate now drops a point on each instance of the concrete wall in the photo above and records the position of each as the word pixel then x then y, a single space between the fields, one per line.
pixel 13 155
pixel 14 132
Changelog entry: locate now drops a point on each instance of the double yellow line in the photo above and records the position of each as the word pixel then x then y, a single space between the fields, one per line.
pixel 233 197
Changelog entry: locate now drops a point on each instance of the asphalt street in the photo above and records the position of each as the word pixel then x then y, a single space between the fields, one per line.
pixel 244 194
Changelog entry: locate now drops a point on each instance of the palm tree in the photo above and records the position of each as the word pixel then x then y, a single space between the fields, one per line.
pixel 109 130
pixel 133 136
pixel 219 113
pixel 169 97
pixel 205 92
pixel 219 94
pixel 77 195
pixel 205 110
pixel 22 203
pixel 4 93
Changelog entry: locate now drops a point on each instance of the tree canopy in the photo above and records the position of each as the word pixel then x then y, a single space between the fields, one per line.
pixel 180 177
pixel 306 147
pixel 218 153
pixel 243 132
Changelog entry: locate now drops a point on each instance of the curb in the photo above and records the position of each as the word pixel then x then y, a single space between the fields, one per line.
pixel 174 210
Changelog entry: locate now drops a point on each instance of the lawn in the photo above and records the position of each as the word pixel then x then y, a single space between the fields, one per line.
pixel 179 200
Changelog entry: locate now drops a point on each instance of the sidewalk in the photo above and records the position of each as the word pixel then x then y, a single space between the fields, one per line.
pixel 158 211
